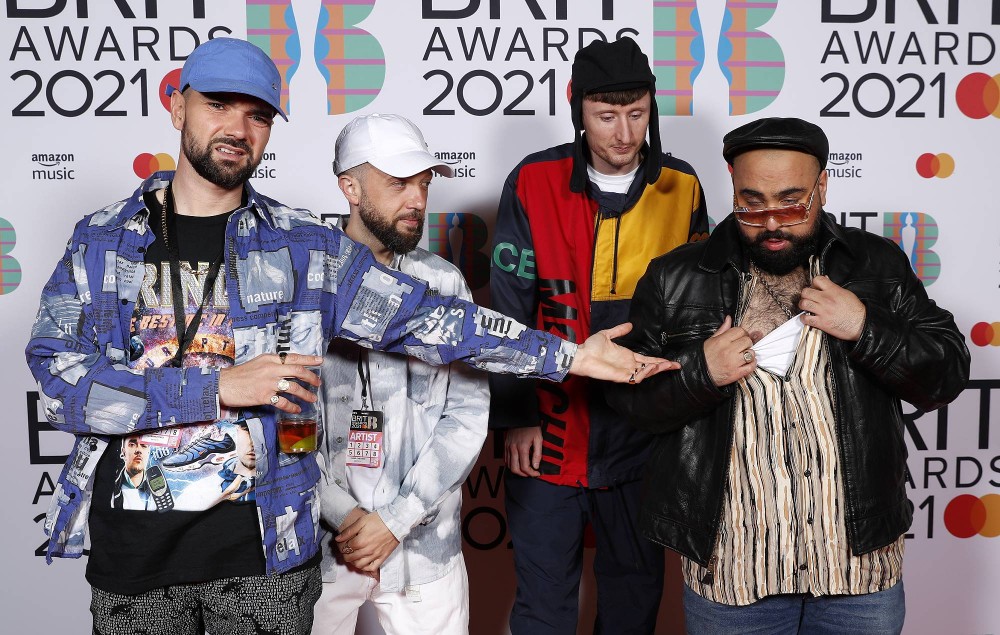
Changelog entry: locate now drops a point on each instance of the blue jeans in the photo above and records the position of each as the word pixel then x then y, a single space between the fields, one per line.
pixel 879 613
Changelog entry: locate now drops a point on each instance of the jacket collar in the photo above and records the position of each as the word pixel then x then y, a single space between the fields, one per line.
pixel 724 245
pixel 612 204
pixel 136 207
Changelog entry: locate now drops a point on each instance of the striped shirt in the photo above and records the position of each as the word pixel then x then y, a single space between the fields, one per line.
pixel 782 528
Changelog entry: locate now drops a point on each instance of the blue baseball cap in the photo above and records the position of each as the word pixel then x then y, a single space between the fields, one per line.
pixel 228 65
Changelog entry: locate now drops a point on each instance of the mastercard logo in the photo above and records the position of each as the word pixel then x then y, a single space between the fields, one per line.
pixel 146 164
pixel 968 515
pixel 978 95
pixel 939 165
pixel 172 78
pixel 986 334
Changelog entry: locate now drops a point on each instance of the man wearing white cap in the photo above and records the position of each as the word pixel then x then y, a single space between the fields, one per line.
pixel 396 508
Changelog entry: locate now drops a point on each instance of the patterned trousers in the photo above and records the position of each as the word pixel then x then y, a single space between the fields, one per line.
pixel 251 605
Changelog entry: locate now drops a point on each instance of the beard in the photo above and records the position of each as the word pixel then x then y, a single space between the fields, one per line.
pixel 385 230
pixel 779 263
pixel 204 163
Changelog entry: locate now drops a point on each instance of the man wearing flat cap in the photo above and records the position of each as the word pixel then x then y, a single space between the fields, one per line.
pixel 185 311
pixel 779 465
pixel 577 225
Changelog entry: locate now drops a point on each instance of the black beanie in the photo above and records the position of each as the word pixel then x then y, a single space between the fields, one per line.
pixel 602 67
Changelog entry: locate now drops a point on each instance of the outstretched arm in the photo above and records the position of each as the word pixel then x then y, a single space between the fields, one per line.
pixel 600 358
pixel 388 310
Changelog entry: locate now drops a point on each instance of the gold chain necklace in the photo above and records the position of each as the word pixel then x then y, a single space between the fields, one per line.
pixel 163 216
pixel 770 291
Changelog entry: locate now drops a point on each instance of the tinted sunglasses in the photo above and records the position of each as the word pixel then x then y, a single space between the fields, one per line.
pixel 784 216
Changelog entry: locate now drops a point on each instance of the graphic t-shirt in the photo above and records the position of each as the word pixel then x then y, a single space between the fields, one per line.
pixel 176 505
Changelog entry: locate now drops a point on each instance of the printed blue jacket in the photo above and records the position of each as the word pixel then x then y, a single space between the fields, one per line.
pixel 293 285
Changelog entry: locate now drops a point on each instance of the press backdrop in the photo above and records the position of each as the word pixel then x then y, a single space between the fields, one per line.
pixel 907 90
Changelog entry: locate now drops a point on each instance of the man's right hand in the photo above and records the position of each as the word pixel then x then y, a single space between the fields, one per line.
pixel 256 381
pixel 726 354
pixel 523 450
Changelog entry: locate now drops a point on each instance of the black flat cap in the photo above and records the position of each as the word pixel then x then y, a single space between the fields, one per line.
pixel 779 133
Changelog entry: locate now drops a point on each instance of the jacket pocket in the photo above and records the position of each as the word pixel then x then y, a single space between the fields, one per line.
pixel 688 333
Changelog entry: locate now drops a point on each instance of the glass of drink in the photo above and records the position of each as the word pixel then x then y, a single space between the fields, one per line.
pixel 297 432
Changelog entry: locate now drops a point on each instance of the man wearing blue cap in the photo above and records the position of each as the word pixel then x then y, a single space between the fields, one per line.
pixel 181 314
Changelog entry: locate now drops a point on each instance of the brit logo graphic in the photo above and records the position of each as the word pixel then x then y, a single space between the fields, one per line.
pixel 751 60
pixel 460 238
pixel 271 26
pixel 349 58
pixel 10 268
pixel 915 233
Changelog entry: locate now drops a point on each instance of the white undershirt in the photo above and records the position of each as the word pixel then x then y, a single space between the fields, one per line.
pixel 611 183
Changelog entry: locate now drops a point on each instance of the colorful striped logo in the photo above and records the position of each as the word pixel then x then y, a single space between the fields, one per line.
pixel 678 54
pixel 915 233
pixel 751 60
pixel 271 26
pixel 10 268
pixel 350 59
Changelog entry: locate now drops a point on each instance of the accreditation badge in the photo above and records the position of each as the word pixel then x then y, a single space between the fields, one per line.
pixel 364 445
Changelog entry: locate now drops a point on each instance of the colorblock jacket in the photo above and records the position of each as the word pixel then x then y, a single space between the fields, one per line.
pixel 910 349
pixel 435 424
pixel 568 264
pixel 293 284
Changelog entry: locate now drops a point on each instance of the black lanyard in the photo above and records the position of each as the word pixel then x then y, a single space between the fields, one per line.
pixel 185 336
pixel 365 373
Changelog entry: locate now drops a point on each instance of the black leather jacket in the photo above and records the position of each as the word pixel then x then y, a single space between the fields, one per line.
pixel 910 349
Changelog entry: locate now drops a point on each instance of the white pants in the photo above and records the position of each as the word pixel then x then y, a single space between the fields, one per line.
pixel 440 607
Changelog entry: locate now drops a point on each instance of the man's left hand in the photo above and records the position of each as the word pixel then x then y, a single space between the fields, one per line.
pixel 833 309
pixel 367 543
pixel 600 358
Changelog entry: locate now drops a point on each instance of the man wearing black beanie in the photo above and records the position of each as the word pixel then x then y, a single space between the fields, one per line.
pixel 577 225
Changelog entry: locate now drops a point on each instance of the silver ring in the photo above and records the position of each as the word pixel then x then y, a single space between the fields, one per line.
pixel 283 385
pixel 274 400
pixel 347 549
pixel 748 356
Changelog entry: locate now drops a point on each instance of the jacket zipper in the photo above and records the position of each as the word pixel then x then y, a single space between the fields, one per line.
pixel 614 257
pixel 593 251
pixel 614 254
pixel 741 304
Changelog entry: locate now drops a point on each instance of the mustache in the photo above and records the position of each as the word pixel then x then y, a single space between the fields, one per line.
pixel 230 141
pixel 411 216
pixel 769 235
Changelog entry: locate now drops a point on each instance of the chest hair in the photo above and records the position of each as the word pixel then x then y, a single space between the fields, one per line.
pixel 764 313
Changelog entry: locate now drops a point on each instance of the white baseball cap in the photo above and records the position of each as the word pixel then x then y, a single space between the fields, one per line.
pixel 391 143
